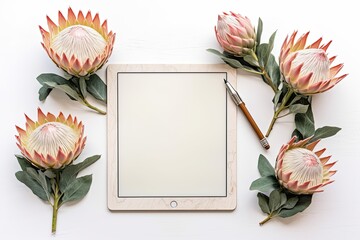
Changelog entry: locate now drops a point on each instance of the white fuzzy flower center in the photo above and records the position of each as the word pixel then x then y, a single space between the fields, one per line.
pixel 304 165
pixel 315 61
pixel 49 137
pixel 80 41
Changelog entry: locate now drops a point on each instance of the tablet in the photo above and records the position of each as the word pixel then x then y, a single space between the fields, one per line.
pixel 171 137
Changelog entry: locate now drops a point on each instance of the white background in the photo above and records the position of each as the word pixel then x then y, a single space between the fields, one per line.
pixel 161 31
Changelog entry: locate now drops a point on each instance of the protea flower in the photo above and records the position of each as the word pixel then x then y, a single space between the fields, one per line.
pixel 235 34
pixel 51 142
pixel 79 45
pixel 301 170
pixel 308 69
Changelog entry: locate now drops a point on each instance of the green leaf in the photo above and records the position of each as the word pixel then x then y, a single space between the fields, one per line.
pixel 261 53
pixel 232 62
pixel 297 134
pixel 303 202
pixel 264 166
pixel 24 163
pixel 44 93
pixel 295 99
pixel 273 70
pixel 77 189
pixel 276 99
pixel 274 200
pixel 305 123
pixel 263 202
pixel 34 186
pixel 298 108
pixel 51 77
pixel 97 88
pixel 67 89
pixel 259 31
pixel 250 59
pixel 290 203
pixel 324 132
pixel 40 178
pixel 82 84
pixel 269 49
pixel 283 198
pixel 265 184
pixel 71 171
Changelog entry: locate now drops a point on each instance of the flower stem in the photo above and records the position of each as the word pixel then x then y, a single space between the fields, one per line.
pixel 56 204
pixel 86 103
pixel 279 110
pixel 264 73
pixel 268 218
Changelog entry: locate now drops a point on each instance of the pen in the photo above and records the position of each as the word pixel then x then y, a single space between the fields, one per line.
pixel 240 103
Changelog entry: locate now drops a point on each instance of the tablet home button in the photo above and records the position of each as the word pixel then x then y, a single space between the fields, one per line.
pixel 173 204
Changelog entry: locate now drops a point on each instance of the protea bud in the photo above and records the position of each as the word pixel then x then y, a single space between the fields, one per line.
pixel 80 45
pixel 301 170
pixel 308 69
pixel 51 142
pixel 235 34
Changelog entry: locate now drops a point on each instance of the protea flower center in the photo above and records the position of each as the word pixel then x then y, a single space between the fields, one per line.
pixel 80 41
pixel 304 166
pixel 314 61
pixel 48 138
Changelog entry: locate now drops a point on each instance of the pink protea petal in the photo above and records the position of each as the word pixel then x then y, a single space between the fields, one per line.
pixel 69 120
pixel 324 160
pixel 328 166
pixel 77 66
pixel 295 72
pixel 50 160
pixel 320 152
pixel 62 20
pixel 335 70
pixel 304 186
pixel 312 145
pixel 61 118
pixel 88 17
pixel 332 59
pixel 51 25
pixel 300 44
pixel 105 27
pixel 41 117
pixel 61 157
pixel 304 80
pixel 81 18
pixel 325 47
pixel 96 22
pixel 293 185
pixel 286 176
pixel 50 117
pixel 71 16
pixel 327 182
pixel 316 44
pixel 65 61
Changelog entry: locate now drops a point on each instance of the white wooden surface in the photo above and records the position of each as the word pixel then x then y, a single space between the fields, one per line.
pixel 168 32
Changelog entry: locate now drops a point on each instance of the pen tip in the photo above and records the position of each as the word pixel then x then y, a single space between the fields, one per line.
pixel 225 80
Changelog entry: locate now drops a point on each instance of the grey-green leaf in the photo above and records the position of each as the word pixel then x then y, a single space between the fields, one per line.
pixel 298 108
pixel 325 132
pixel 290 203
pixel 264 167
pixel 303 202
pixel 44 93
pixel 269 49
pixel 70 172
pixel 305 123
pixel 263 201
pixel 274 200
pixel 77 189
pixel 273 70
pixel 265 184
pixel 250 59
pixel 259 31
pixel 82 84
pixel 65 88
pixel 24 163
pixel 261 51
pixel 97 88
pixel 51 77
pixel 40 178
pixel 34 186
